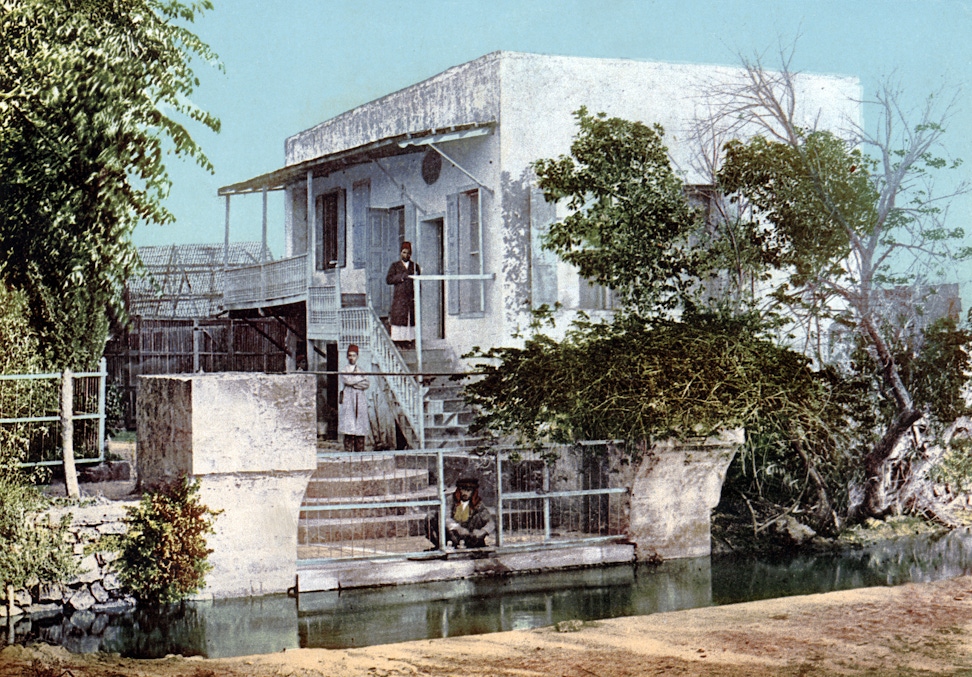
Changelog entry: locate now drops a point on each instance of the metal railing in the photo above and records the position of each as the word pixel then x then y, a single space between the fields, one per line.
pixel 363 327
pixel 30 416
pixel 266 282
pixel 395 503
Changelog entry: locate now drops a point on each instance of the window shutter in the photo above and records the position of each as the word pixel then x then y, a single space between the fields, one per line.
pixel 360 201
pixel 342 229
pixel 452 252
pixel 320 263
pixel 543 262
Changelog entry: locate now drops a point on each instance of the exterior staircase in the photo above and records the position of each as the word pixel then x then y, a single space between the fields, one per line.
pixel 364 478
pixel 447 416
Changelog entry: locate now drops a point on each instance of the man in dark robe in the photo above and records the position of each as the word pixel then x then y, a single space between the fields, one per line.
pixel 403 298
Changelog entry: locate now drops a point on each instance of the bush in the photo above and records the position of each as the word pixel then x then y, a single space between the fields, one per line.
pixel 32 545
pixel 163 552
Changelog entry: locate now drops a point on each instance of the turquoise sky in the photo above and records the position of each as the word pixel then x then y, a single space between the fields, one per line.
pixel 293 63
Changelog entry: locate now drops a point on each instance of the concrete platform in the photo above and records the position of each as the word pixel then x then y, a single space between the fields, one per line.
pixel 456 565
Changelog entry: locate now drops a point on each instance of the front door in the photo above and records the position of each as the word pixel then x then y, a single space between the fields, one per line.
pixel 386 231
pixel 433 292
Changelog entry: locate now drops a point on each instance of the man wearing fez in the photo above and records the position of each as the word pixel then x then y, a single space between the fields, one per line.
pixel 469 521
pixel 353 404
pixel 403 297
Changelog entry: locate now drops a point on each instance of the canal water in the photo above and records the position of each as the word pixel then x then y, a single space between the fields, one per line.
pixel 354 618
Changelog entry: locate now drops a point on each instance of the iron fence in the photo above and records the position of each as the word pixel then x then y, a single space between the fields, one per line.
pixel 30 416
pixel 395 503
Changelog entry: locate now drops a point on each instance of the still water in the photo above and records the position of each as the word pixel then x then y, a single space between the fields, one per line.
pixel 353 618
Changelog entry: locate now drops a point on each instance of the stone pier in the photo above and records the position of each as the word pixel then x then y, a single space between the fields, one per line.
pixel 250 439
pixel 673 491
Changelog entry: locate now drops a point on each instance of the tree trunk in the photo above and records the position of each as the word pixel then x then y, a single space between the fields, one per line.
pixel 874 503
pixel 825 518
pixel 67 434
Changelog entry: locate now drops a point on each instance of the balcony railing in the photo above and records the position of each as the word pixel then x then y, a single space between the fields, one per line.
pixel 267 283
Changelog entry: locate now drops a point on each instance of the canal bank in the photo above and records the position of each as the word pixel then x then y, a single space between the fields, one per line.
pixel 910 629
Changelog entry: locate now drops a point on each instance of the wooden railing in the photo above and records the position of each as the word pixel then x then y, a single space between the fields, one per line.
pixel 266 283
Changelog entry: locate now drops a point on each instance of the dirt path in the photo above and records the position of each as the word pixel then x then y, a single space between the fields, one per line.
pixel 908 630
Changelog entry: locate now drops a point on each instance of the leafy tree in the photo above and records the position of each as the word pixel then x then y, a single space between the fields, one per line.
pixel 676 361
pixel 88 94
pixel 630 223
pixel 846 218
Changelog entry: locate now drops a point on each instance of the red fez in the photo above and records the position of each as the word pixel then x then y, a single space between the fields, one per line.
pixel 407 245
pixel 353 348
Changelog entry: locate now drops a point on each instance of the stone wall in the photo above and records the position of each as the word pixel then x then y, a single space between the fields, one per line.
pixel 674 488
pixel 251 441
pixel 96 590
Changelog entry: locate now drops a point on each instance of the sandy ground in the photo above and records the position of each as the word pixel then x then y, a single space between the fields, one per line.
pixel 908 630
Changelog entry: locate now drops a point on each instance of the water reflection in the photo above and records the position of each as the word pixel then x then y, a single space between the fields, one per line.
pixel 919 559
pixel 378 616
pixel 354 618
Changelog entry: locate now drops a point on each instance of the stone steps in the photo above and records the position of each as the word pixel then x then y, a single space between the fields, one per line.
pixel 326 531
pixel 399 481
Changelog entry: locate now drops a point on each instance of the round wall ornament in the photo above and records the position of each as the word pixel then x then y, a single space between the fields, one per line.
pixel 431 167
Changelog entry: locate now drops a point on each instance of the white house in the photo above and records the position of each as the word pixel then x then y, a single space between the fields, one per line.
pixel 446 164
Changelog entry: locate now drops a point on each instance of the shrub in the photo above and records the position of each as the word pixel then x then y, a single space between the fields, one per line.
pixel 163 552
pixel 32 544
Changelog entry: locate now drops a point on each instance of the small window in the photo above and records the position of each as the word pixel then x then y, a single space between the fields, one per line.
pixel 594 296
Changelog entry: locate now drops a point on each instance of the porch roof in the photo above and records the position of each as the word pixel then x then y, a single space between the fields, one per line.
pixel 387 147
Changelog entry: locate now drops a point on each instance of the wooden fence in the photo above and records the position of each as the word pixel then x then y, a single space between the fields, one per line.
pixel 185 346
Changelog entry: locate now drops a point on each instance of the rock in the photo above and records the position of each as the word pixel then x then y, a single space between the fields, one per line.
pixel 107 557
pixel 38 611
pixel 49 592
pixel 17 611
pixel 22 598
pixel 82 620
pixel 112 471
pixel 99 625
pixel 88 535
pixel 90 572
pixel 115 606
pixel 81 600
pixel 572 625
pixel 110 581
pixel 98 592
pixel 794 531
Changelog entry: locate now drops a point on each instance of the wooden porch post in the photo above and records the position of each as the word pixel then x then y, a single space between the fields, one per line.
pixel 311 250
pixel 226 235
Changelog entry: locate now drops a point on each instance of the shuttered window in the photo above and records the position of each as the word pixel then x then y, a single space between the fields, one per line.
pixel 465 240
pixel 543 262
pixel 331 230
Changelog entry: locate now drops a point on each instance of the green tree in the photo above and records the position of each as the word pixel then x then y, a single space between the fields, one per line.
pixel 676 361
pixel 91 93
pixel 630 225
pixel 847 218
